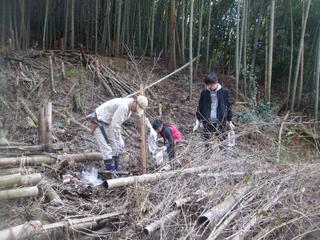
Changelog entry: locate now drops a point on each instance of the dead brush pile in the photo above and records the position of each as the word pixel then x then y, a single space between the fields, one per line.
pixel 250 191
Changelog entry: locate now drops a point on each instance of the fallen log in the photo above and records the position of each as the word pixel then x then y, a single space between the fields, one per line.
pixel 215 234
pixel 215 213
pixel 19 193
pixel 20 180
pixel 48 159
pixel 159 223
pixel 146 178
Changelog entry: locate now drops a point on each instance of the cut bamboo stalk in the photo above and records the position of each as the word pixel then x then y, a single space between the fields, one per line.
pixel 79 223
pixel 63 73
pixel 215 234
pixel 19 193
pixel 8 171
pixel 159 223
pixel 28 110
pixel 18 179
pixel 182 201
pixel 143 137
pixel 42 126
pixel 35 229
pixel 33 148
pixel 218 211
pixel 28 230
pixel 51 75
pixel 48 122
pixel 146 178
pixel 45 159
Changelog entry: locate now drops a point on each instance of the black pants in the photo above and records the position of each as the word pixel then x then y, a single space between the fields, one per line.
pixel 216 129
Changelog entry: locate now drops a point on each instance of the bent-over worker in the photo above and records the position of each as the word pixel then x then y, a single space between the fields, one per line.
pixel 106 123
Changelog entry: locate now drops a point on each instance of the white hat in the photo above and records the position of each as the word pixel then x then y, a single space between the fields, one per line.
pixel 142 103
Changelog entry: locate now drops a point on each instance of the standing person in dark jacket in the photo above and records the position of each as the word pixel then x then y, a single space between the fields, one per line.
pixel 214 109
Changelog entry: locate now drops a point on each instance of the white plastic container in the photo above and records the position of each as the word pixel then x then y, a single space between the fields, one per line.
pixel 231 138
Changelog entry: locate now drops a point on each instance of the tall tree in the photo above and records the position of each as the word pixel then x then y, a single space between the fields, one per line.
pixel 72 25
pixel 208 36
pixel 291 52
pixel 296 74
pixel 183 20
pixel 317 80
pixel 45 25
pixel 237 49
pixel 199 34
pixel 118 43
pixel 270 57
pixel 190 47
pixel 172 38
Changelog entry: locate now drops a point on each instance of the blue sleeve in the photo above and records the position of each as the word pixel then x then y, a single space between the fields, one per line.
pixel 169 142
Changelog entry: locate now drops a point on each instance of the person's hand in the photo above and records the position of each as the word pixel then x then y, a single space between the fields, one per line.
pixel 164 148
pixel 231 125
pixel 196 126
pixel 120 143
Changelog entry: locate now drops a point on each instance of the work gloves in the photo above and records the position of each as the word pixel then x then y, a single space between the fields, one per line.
pixel 197 125
pixel 120 143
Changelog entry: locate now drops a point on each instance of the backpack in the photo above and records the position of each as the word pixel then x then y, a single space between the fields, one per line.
pixel 177 136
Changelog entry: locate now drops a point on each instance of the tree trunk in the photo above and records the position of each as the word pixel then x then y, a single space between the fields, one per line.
pixel 317 80
pixel 199 35
pixel 190 49
pixel 237 50
pixel 291 54
pixel 172 38
pixel 118 42
pixel 208 36
pixel 45 25
pixel 72 25
pixel 270 57
pixel 296 74
pixel 302 62
pixel 153 10
pixel 96 28
pixel 183 41
pixel 66 24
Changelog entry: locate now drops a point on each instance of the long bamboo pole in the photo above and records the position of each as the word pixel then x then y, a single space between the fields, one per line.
pixel 46 159
pixel 165 77
pixel 19 193
pixel 146 178
pixel 143 137
pixel 35 229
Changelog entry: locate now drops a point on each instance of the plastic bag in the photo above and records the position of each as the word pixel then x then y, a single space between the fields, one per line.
pixel 152 143
pixel 91 177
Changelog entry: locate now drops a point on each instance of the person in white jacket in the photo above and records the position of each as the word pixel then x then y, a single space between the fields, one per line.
pixel 106 123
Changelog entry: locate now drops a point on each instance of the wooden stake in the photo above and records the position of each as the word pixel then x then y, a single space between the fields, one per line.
pixel 51 74
pixel 48 125
pixel 143 138
pixel 160 110
pixel 63 73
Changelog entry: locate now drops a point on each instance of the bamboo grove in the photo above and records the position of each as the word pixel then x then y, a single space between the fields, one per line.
pixel 272 48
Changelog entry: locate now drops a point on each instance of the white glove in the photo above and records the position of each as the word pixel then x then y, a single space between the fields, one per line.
pixel 120 143
pixel 164 148
pixel 196 126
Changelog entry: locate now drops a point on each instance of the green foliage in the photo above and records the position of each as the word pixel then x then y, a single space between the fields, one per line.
pixel 261 111
pixel 74 72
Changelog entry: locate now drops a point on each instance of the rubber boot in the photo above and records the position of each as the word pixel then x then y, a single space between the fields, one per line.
pixel 109 165
pixel 116 162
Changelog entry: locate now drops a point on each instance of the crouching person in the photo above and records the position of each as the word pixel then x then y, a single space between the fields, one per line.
pixel 106 125
pixel 171 136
